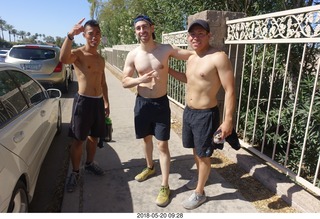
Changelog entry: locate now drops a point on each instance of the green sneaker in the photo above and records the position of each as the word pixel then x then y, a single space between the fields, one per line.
pixel 163 197
pixel 146 172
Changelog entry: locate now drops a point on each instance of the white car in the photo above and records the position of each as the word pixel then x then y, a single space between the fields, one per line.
pixel 42 63
pixel 3 54
pixel 30 117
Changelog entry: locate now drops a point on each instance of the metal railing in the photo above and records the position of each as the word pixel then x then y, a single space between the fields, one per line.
pixel 278 116
pixel 278 108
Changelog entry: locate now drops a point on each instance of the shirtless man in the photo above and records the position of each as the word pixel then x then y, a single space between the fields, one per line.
pixel 91 102
pixel 152 112
pixel 206 72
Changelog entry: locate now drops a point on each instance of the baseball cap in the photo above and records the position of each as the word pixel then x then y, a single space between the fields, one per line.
pixel 204 24
pixel 142 18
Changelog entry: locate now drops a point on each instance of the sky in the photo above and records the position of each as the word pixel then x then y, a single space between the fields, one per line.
pixel 49 17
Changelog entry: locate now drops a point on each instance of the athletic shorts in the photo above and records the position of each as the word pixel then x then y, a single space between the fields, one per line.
pixel 87 118
pixel 152 117
pixel 198 128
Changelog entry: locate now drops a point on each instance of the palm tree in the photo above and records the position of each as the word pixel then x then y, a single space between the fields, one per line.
pixel 21 33
pixel 94 8
pixel 28 34
pixel 2 26
pixel 14 32
pixel 9 28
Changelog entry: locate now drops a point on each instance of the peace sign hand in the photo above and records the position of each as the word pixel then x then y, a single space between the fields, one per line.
pixel 77 29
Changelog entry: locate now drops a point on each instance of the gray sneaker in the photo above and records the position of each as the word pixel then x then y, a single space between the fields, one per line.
pixel 192 184
pixel 194 201
pixel 94 168
pixel 73 181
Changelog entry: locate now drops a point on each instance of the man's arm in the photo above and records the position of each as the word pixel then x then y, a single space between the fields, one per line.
pixel 105 94
pixel 226 76
pixel 181 54
pixel 66 56
pixel 178 75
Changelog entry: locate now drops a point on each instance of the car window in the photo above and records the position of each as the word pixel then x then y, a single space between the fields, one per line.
pixel 32 53
pixel 3 52
pixel 32 91
pixel 4 116
pixel 11 98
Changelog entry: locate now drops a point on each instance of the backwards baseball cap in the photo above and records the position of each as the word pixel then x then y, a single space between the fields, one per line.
pixel 204 24
pixel 142 18
pixel 146 19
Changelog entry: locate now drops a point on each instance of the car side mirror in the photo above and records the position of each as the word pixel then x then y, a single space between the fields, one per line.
pixel 54 93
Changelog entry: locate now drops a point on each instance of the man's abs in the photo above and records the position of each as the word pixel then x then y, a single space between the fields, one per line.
pixel 89 84
pixel 152 90
pixel 201 101
pixel 90 91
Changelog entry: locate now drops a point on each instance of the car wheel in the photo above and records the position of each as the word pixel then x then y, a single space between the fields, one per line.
pixel 59 122
pixel 19 201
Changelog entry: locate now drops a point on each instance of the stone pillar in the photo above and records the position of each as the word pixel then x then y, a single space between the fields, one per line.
pixel 218 28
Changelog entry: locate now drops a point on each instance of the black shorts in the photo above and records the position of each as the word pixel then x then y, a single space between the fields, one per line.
pixel 88 118
pixel 198 128
pixel 152 117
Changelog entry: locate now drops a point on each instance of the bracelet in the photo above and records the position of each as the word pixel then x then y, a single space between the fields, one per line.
pixel 69 37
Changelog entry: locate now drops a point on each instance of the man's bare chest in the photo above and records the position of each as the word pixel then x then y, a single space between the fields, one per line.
pixel 201 69
pixel 147 62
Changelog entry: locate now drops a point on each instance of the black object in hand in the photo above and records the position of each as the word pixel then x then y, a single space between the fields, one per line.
pixel 233 140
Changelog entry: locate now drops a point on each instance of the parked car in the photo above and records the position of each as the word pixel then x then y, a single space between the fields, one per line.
pixel 42 63
pixel 30 117
pixel 3 54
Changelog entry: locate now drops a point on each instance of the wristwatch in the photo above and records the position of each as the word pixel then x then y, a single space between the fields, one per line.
pixel 69 37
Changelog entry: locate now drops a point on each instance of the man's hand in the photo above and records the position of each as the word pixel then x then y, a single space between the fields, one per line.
pixel 77 29
pixel 226 129
pixel 147 77
pixel 107 111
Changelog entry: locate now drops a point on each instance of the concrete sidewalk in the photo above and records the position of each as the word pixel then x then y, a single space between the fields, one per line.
pixel 123 158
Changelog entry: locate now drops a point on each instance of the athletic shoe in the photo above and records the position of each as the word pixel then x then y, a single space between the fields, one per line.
pixel 94 168
pixel 192 184
pixel 73 181
pixel 194 201
pixel 163 196
pixel 146 172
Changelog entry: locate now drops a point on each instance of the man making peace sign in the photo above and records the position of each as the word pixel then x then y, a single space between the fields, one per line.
pixel 91 102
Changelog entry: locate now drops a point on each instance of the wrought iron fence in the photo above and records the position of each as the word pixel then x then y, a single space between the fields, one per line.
pixel 278 113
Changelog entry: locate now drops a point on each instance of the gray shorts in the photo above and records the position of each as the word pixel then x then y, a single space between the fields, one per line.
pixel 198 128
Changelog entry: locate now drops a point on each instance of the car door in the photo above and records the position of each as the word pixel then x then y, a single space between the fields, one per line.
pixel 37 97
pixel 23 132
